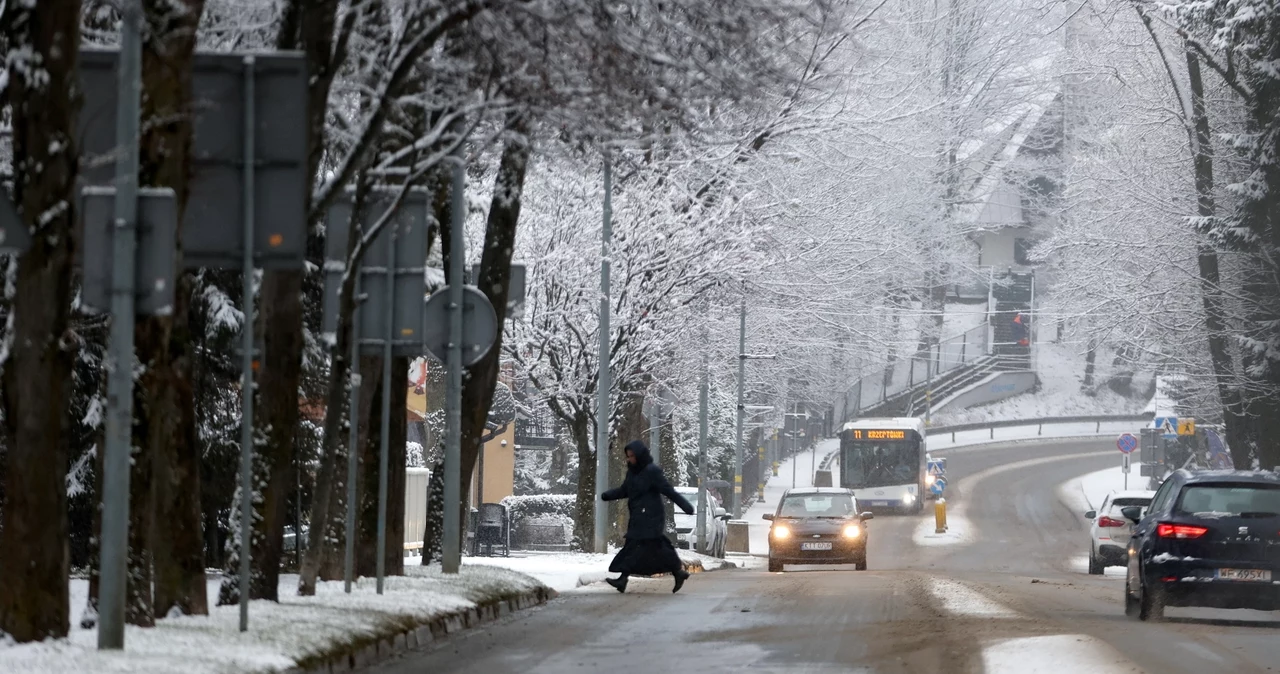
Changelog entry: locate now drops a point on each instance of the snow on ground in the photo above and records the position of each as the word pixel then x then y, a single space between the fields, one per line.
pixel 565 571
pixel 1087 491
pixel 1060 368
pixel 795 471
pixel 280 634
pixel 1047 654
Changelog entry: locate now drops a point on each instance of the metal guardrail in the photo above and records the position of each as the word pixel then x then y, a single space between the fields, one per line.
pixel 1039 423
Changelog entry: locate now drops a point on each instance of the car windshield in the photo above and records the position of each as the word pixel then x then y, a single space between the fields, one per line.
pixel 817 505
pixel 1229 500
pixel 873 464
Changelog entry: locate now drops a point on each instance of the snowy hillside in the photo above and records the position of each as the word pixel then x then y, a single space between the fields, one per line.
pixel 1060 368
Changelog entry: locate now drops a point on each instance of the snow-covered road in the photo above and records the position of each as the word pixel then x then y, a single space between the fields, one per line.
pixel 1007 597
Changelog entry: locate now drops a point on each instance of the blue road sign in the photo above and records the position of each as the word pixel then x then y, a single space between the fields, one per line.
pixel 938 485
pixel 1127 442
pixel 1166 425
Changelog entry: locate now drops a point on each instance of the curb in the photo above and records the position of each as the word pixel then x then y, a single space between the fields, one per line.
pixel 355 658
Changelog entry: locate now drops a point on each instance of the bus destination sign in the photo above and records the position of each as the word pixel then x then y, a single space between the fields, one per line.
pixel 878 434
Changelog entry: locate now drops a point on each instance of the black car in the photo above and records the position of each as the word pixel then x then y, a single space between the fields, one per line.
pixel 818 525
pixel 1209 538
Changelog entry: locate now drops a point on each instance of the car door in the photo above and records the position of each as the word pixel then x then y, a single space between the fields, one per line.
pixel 1140 543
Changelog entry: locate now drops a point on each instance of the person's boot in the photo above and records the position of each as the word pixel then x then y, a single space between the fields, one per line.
pixel 681 577
pixel 619 583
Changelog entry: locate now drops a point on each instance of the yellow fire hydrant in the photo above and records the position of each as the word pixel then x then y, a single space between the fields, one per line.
pixel 940 516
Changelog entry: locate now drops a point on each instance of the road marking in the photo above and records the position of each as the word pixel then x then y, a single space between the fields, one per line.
pixel 1054 654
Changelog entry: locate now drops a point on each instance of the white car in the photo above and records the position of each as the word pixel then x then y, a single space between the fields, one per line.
pixel 687 525
pixel 1110 531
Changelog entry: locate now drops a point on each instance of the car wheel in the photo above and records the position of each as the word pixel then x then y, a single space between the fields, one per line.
pixel 774 567
pixel 1130 601
pixel 1150 603
pixel 861 564
pixel 1095 565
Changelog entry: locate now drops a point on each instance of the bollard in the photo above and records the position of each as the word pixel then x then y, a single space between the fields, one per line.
pixel 775 469
pixel 940 516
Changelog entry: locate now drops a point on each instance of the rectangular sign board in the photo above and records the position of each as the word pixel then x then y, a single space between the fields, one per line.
pixel 154 269
pixel 410 252
pixel 212 225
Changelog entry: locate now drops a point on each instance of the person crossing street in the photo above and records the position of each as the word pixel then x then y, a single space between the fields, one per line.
pixel 647 552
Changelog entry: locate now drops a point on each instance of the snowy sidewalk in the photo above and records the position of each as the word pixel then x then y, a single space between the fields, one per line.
pixel 565 571
pixel 298 632
pixel 798 470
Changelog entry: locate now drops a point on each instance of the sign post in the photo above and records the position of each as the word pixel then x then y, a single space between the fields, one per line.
pixel 1126 443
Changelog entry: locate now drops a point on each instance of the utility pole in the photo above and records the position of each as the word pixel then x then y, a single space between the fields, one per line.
pixel 113 565
pixel 604 358
pixel 742 375
pixel 451 553
pixel 702 456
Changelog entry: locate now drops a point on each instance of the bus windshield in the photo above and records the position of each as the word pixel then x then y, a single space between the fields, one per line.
pixel 874 464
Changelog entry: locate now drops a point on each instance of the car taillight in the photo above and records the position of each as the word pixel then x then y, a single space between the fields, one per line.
pixel 1111 522
pixel 1180 531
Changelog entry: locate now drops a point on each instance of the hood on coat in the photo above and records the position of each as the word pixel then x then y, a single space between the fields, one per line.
pixel 643 457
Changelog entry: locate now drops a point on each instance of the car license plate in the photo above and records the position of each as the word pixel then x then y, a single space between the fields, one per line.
pixel 826 545
pixel 879 503
pixel 1256 575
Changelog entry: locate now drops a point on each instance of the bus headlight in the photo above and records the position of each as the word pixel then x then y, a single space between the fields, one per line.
pixel 908 498
pixel 780 532
pixel 852 531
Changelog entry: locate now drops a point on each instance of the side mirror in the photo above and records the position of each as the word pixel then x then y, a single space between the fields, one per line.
pixel 1091 514
pixel 768 516
pixel 719 512
pixel 867 516
pixel 1132 513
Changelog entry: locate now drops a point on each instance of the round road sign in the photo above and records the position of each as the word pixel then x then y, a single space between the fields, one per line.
pixel 1127 442
pixel 479 325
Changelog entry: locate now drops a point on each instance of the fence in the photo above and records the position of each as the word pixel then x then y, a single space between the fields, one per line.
pixel 988 432
pixel 939 359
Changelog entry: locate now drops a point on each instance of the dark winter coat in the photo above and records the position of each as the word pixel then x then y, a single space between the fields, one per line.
pixel 644 488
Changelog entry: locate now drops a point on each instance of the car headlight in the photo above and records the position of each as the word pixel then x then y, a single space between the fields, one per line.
pixel 908 498
pixel 852 531
pixel 780 531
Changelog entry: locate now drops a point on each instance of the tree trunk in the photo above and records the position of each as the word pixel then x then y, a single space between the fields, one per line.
pixel 1090 358
pixel 310 27
pixel 44 109
pixel 396 460
pixel 584 511
pixel 1237 424
pixel 168 433
pixel 326 511
pixel 495 277
pixel 369 415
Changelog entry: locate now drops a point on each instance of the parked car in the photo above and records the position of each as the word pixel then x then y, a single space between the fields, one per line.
pixel 687 525
pixel 1110 531
pixel 818 525
pixel 1209 538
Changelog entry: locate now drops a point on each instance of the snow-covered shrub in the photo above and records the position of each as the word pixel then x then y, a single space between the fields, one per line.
pixel 521 508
